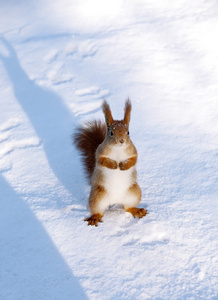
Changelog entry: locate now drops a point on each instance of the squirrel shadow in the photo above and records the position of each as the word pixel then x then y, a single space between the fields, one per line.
pixel 50 118
pixel 30 262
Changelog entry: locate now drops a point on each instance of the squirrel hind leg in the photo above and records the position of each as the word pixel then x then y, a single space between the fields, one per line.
pixel 134 194
pixel 132 197
pixel 98 203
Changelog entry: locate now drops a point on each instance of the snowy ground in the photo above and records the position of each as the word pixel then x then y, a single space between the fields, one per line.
pixel 58 60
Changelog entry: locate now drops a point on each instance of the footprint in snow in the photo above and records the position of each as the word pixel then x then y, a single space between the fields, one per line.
pixel 52 56
pixel 8 145
pixel 94 91
pixel 3 136
pixel 19 144
pixel 10 124
pixel 87 50
pixel 84 105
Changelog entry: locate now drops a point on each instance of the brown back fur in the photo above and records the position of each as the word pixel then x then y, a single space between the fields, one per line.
pixel 87 139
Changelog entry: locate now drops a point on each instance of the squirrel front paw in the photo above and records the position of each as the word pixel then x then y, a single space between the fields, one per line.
pixel 113 164
pixel 94 219
pixel 107 162
pixel 128 163
pixel 122 165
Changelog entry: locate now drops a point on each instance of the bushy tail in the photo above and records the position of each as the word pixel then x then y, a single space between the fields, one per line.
pixel 87 139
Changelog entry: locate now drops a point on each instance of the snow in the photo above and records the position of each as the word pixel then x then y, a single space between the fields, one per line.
pixel 58 61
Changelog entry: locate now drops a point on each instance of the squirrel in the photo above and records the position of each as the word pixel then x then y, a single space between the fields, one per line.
pixel 109 157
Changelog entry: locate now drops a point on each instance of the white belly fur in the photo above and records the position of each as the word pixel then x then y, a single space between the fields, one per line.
pixel 117 182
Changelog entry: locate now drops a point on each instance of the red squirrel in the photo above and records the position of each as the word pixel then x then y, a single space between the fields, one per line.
pixel 109 158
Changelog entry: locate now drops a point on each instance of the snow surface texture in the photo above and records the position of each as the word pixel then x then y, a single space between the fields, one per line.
pixel 58 60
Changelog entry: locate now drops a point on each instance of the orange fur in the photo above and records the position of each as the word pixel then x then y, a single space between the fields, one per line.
pixel 87 139
pixel 107 162
pixel 96 195
pixel 94 219
pixel 127 111
pixel 109 157
pixel 107 112
pixel 137 212
pixel 127 164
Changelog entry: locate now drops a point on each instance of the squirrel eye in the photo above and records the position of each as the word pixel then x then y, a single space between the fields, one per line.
pixel 112 133
pixel 128 132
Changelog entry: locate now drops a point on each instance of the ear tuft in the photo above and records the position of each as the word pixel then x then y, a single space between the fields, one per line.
pixel 127 111
pixel 107 113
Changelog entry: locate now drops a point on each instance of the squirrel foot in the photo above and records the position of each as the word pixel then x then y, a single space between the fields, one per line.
pixel 137 212
pixel 94 219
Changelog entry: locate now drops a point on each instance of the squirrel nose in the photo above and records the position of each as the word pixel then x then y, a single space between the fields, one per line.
pixel 121 141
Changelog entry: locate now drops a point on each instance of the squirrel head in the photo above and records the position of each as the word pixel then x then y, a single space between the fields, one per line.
pixel 117 131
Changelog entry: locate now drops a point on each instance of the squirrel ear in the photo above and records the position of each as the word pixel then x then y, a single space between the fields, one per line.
pixel 127 111
pixel 107 113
